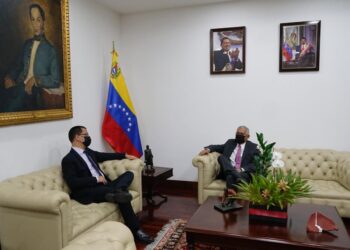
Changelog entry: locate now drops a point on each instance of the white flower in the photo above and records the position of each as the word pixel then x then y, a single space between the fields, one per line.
pixel 278 164
pixel 276 156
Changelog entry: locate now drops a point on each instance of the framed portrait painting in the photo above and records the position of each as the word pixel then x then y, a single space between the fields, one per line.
pixel 300 46
pixel 227 50
pixel 35 80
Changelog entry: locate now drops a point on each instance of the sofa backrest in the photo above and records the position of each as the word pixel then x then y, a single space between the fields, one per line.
pixel 46 179
pixel 316 164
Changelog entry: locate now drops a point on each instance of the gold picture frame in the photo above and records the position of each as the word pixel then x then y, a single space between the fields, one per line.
pixel 45 81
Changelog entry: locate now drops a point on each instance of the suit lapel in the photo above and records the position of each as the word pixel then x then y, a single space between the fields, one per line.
pixel 78 158
pixel 246 150
pixel 232 148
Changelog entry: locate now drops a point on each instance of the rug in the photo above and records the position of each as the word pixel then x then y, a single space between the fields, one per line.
pixel 172 236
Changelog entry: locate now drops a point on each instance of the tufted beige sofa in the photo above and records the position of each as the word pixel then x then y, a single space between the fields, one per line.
pixel 110 235
pixel 327 172
pixel 37 213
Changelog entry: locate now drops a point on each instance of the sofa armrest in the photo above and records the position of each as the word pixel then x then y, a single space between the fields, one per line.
pixel 48 201
pixel 115 168
pixel 343 172
pixel 36 219
pixel 208 169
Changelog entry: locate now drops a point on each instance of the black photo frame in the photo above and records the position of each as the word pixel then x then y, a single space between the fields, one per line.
pixel 227 50
pixel 299 46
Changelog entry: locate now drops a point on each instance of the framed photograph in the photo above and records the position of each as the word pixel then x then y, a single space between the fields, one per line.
pixel 227 50
pixel 300 46
pixel 35 75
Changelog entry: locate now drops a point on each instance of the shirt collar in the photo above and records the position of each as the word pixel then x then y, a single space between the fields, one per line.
pixel 78 150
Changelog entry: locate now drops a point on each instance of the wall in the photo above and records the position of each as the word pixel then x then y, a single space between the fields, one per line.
pixel 181 107
pixel 24 148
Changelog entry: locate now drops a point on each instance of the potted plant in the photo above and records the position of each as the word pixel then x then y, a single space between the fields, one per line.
pixel 272 188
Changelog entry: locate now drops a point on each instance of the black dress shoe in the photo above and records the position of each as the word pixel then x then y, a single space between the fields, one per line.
pixel 119 197
pixel 141 236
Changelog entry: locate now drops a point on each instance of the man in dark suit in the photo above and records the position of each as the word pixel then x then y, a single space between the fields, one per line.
pixel 89 184
pixel 236 159
pixel 222 57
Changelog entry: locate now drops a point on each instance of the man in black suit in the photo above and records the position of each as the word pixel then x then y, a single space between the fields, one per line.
pixel 236 159
pixel 89 184
pixel 222 57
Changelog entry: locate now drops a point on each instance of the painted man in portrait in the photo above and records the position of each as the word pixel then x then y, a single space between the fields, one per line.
pixel 36 69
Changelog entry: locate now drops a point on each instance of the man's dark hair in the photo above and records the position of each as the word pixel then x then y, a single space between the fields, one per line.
pixel 41 10
pixel 76 130
pixel 224 38
pixel 303 37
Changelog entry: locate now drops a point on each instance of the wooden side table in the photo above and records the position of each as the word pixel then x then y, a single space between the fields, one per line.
pixel 150 180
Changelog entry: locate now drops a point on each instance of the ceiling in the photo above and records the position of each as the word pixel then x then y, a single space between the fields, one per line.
pixel 134 6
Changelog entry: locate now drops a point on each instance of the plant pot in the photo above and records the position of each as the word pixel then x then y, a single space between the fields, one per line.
pixel 273 215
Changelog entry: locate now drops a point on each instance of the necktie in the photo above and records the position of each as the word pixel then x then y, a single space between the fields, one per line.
pixel 93 164
pixel 238 157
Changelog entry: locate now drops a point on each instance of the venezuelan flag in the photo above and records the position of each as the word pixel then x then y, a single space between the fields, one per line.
pixel 119 126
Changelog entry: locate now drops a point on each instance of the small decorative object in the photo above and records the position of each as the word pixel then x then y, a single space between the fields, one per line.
pixel 149 159
pixel 227 50
pixel 300 46
pixel 320 223
pixel 228 203
pixel 272 189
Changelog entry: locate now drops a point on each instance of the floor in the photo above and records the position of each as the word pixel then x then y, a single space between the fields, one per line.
pixel 152 220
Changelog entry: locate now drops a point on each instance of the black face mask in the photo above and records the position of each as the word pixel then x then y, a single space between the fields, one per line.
pixel 239 138
pixel 87 141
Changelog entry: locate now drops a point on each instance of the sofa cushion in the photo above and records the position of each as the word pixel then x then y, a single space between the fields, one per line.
pixel 328 190
pixel 86 216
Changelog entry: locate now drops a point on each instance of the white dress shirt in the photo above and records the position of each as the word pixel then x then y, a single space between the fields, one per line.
pixel 31 62
pixel 234 153
pixel 93 171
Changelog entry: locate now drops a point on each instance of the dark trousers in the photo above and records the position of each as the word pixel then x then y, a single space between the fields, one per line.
pixel 122 182
pixel 230 173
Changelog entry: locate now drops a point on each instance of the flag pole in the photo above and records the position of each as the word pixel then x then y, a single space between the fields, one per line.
pixel 113 47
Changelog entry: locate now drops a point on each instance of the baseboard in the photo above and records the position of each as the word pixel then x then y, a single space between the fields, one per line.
pixel 179 188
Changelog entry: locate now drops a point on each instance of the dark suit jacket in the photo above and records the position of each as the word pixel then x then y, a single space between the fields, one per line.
pixel 78 176
pixel 250 150
pixel 220 60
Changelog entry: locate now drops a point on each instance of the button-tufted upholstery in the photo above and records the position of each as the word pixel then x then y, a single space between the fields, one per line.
pixel 110 235
pixel 36 211
pixel 327 172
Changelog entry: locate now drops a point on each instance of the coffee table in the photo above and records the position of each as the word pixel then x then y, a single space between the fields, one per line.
pixel 233 230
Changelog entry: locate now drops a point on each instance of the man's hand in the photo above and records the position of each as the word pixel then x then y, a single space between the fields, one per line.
pixel 29 85
pixel 204 151
pixel 102 179
pixel 130 157
pixel 8 83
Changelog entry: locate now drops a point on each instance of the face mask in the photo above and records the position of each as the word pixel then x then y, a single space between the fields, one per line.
pixel 87 141
pixel 239 138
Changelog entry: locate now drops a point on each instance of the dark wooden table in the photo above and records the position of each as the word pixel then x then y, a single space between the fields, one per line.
pixel 233 230
pixel 150 180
